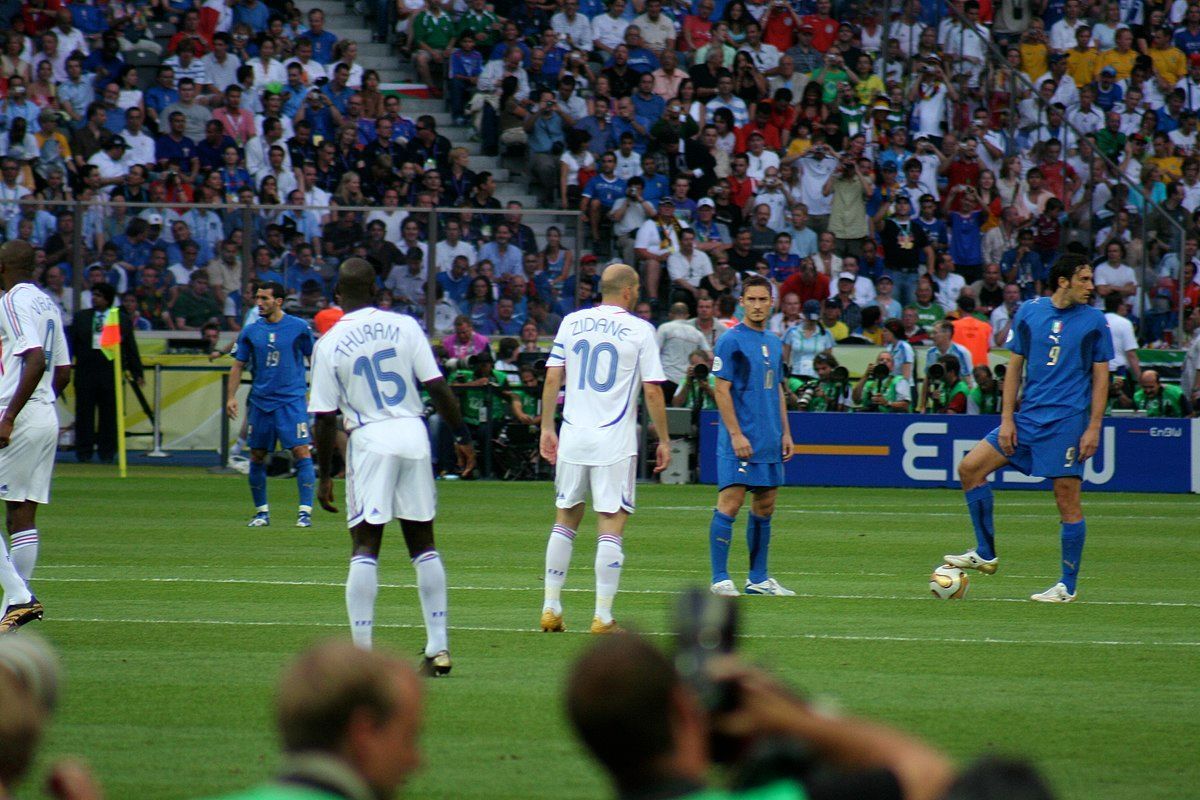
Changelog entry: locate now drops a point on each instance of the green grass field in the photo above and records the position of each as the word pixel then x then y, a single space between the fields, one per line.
pixel 173 620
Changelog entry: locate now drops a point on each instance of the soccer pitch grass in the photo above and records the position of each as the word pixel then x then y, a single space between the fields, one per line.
pixel 173 620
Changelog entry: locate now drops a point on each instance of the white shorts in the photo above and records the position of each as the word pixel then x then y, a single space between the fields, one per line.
pixel 612 486
pixel 27 464
pixel 382 487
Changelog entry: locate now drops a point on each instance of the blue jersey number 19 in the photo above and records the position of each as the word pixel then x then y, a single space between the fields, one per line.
pixel 590 365
pixel 372 369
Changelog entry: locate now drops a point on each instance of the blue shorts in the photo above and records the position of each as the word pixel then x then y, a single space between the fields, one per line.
pixel 734 472
pixel 1048 450
pixel 287 422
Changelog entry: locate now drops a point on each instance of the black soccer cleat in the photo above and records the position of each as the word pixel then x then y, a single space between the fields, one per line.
pixel 437 665
pixel 19 614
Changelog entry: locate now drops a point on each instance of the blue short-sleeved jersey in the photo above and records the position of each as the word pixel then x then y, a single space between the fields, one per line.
pixel 1060 345
pixel 275 352
pixel 752 361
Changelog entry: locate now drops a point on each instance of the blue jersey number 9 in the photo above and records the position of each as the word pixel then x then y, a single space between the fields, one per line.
pixel 590 365
pixel 372 369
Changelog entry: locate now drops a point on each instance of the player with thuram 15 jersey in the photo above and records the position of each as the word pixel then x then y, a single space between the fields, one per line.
pixel 275 348
pixel 371 366
pixel 34 369
pixel 1061 347
pixel 753 440
pixel 601 357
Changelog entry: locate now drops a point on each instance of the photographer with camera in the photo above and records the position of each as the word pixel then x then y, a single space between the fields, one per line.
pixel 698 390
pixel 947 391
pixel 985 396
pixel 825 392
pixel 659 735
pixel 879 389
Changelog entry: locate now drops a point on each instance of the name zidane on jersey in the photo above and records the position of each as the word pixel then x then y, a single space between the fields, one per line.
pixel 374 332
pixel 609 327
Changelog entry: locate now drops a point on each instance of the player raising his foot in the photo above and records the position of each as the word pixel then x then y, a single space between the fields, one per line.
pixel 600 357
pixel 370 365
pixel 1061 345
pixel 753 440
pixel 275 347
pixel 34 369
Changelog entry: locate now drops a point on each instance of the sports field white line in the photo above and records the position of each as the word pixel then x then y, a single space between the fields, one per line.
pixel 490 629
pixel 918 597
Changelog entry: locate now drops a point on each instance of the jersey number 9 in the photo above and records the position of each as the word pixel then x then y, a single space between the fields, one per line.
pixel 372 369
pixel 589 365
pixel 1053 356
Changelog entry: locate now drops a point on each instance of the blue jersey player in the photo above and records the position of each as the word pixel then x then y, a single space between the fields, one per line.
pixel 275 348
pixel 1062 346
pixel 753 440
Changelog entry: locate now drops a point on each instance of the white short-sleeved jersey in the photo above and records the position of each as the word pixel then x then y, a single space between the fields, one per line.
pixel 370 366
pixel 30 319
pixel 608 353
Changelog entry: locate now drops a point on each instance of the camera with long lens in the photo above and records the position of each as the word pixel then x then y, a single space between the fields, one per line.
pixel 700 372
pixel 706 629
pixel 880 372
pixel 936 375
pixel 808 390
pixel 1000 371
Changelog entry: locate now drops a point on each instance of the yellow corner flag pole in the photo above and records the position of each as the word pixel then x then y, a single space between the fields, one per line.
pixel 119 381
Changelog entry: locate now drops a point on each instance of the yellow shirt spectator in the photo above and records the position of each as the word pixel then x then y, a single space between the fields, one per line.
pixel 1081 64
pixel 1033 59
pixel 1170 166
pixel 1121 62
pixel 1169 62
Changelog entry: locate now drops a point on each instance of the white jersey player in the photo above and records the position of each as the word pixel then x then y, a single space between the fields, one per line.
pixel 601 357
pixel 34 367
pixel 370 367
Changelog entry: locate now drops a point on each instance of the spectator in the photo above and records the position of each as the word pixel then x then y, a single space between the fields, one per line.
pixel 944 346
pixel 677 339
pixel 971 332
pixel 1158 399
pixel 804 342
pixel 1125 358
pixel 687 269
pixel 193 305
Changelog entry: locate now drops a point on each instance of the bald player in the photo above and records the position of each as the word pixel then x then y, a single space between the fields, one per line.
pixel 34 369
pixel 371 365
pixel 600 357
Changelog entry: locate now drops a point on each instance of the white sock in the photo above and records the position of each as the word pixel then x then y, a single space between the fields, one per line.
pixel 558 559
pixel 24 547
pixel 609 558
pixel 362 584
pixel 15 590
pixel 431 585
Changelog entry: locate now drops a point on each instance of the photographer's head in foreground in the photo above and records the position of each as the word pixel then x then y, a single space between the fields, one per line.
pixel 652 733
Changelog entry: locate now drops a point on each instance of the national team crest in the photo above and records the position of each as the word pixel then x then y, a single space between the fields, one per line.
pixel 766 353
pixel 271 337
pixel 1056 326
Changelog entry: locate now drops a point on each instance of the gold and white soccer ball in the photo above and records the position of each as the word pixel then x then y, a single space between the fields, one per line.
pixel 948 583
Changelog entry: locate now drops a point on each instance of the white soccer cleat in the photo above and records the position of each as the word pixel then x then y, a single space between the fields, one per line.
pixel 1055 594
pixel 725 588
pixel 769 587
pixel 971 560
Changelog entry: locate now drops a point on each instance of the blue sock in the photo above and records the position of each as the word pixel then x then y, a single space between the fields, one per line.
pixel 720 535
pixel 758 540
pixel 980 504
pixel 258 483
pixel 306 478
pixel 1073 536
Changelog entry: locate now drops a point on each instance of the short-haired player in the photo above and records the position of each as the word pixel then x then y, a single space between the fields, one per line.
pixel 34 369
pixel 601 357
pixel 275 348
pixel 371 366
pixel 753 440
pixel 1061 346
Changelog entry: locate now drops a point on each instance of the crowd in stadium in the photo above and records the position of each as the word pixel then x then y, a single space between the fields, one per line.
pixel 887 175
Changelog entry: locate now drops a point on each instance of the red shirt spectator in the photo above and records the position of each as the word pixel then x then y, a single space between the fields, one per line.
pixel 807 286
pixel 740 190
pixel 1055 175
pixel 824 27
pixel 770 134
pixel 779 28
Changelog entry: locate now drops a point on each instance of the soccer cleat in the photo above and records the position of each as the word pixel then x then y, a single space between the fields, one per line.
pixel 1055 594
pixel 971 560
pixel 725 588
pixel 437 665
pixel 261 520
pixel 769 587
pixel 551 622
pixel 304 520
pixel 606 627
pixel 19 614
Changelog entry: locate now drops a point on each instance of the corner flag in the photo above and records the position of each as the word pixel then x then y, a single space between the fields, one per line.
pixel 110 345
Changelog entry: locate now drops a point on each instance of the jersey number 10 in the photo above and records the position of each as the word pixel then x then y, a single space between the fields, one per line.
pixel 589 365
pixel 372 369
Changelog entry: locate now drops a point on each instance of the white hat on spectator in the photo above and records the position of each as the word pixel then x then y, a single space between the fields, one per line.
pixel 705 202
pixel 847 276
pixel 155 219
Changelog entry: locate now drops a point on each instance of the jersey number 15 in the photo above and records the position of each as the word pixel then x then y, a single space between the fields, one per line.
pixel 373 370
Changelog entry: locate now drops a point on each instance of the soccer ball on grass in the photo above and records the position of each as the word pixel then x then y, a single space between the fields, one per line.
pixel 948 583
